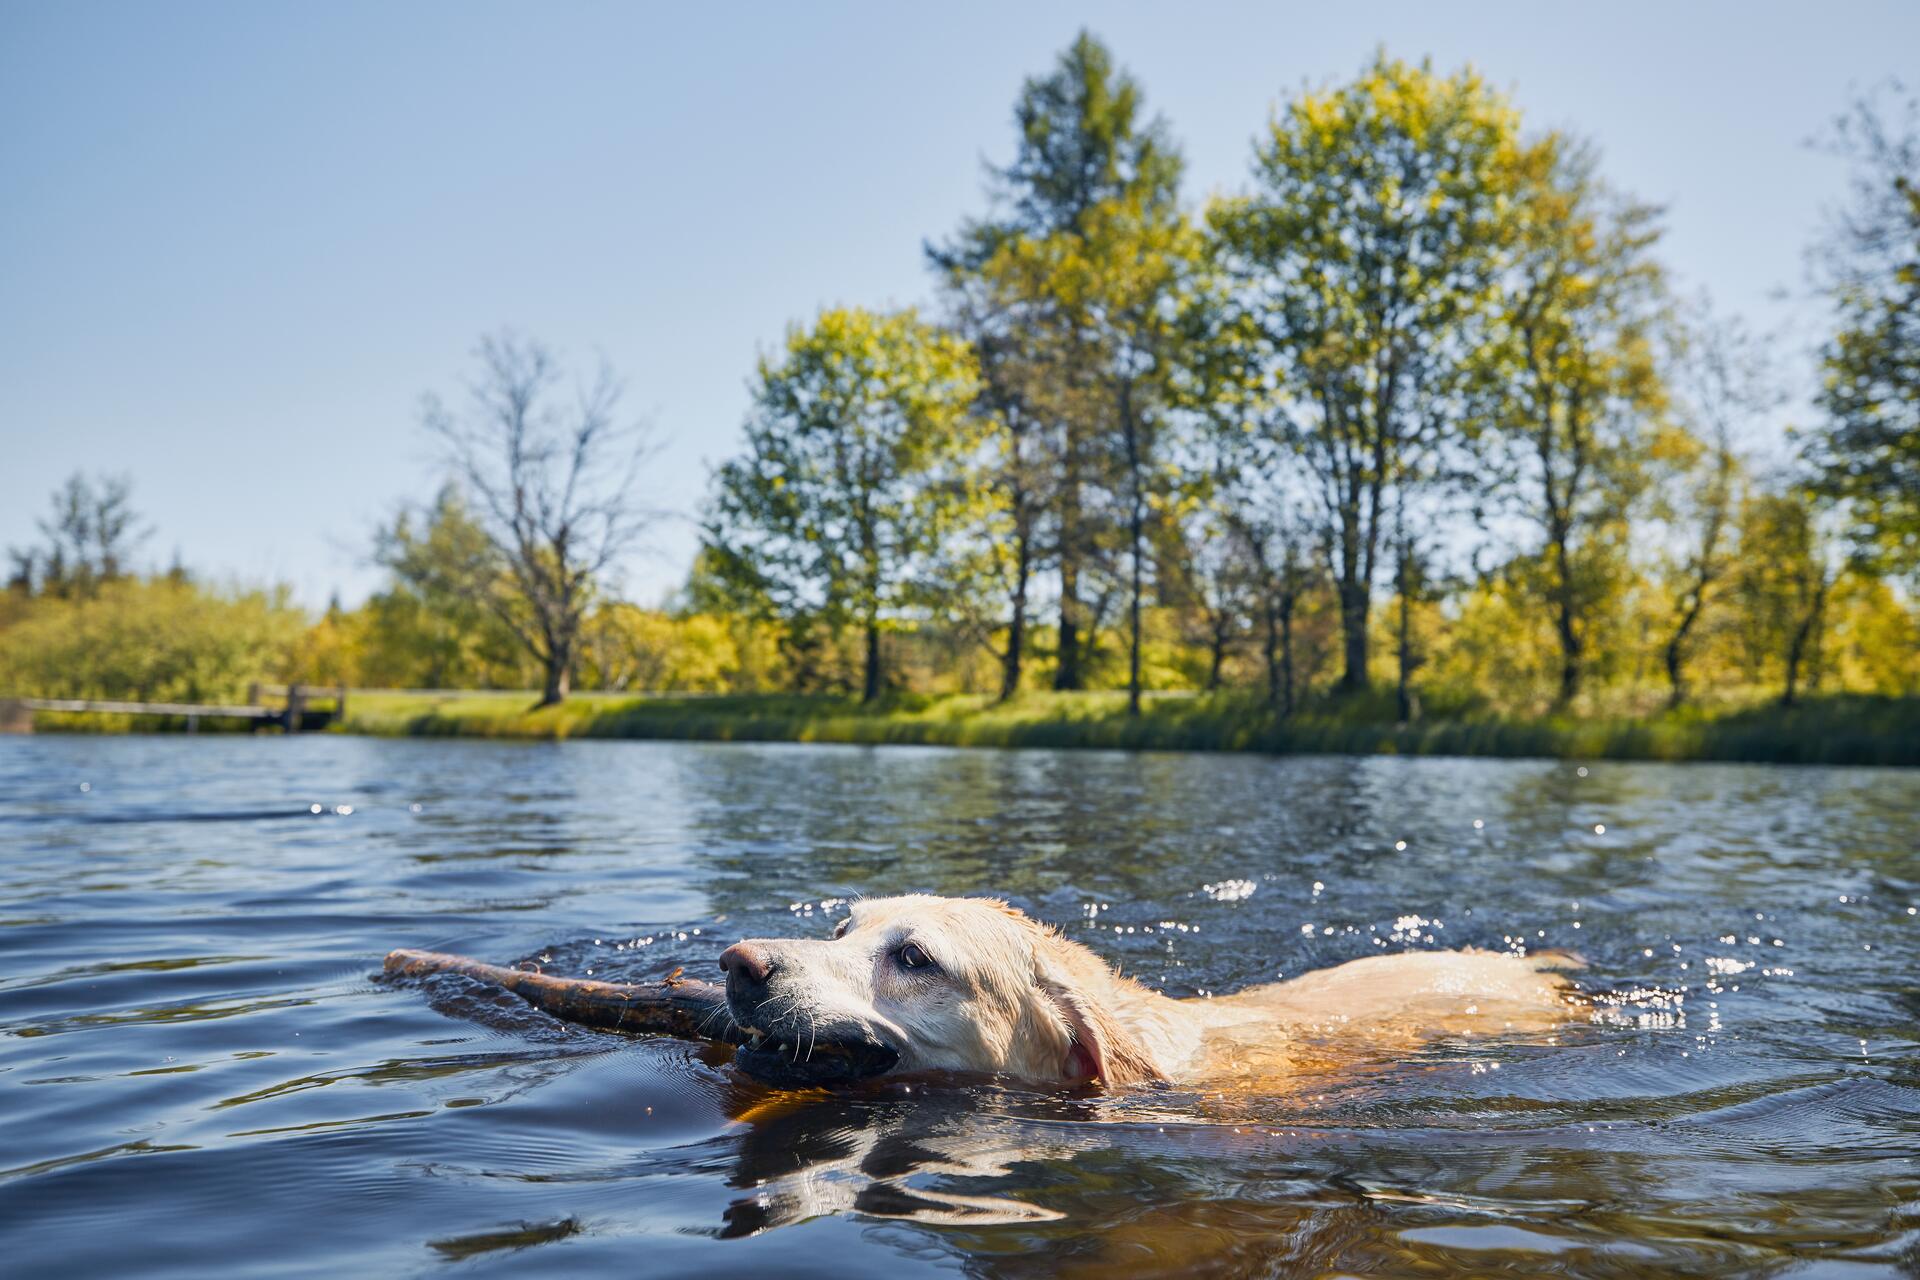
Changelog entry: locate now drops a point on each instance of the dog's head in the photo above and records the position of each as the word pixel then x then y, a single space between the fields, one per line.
pixel 922 983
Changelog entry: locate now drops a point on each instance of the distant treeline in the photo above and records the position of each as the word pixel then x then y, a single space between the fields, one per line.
pixel 1422 402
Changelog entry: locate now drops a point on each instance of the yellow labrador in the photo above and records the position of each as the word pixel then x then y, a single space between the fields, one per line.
pixel 923 983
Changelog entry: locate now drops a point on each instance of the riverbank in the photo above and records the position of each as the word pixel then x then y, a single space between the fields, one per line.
pixel 1837 730
pixel 1847 729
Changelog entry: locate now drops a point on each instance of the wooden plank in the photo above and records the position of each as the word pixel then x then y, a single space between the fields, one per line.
pixel 148 708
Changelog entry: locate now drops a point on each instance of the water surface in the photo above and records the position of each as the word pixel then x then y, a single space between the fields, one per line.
pixel 199 1075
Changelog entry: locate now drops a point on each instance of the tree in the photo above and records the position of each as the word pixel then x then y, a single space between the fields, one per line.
pixel 1207 574
pixel 1409 587
pixel 1722 382
pixel 554 485
pixel 437 624
pixel 855 469
pixel 1362 263
pixel 90 535
pixel 1869 456
pixel 1092 184
pixel 1572 378
pixel 1243 479
pixel 1016 409
pixel 1784 580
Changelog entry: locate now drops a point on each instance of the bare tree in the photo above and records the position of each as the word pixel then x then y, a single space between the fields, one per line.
pixel 553 477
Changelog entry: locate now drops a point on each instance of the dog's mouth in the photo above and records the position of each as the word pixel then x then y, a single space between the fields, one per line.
pixel 793 1062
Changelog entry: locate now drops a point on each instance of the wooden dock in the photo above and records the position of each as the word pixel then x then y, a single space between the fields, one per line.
pixel 295 711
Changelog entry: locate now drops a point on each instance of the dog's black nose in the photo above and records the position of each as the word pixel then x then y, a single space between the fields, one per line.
pixel 747 968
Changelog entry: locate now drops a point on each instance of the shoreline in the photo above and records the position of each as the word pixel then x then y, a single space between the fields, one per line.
pixel 1836 730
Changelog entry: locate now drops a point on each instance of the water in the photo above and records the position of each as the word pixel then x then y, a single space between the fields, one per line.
pixel 199 1075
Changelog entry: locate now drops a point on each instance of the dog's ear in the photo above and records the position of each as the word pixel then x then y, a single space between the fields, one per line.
pixel 1085 1056
pixel 1097 1046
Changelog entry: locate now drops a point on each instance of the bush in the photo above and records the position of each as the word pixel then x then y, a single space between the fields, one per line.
pixel 148 641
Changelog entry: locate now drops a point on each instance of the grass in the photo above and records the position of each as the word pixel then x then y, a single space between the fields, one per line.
pixel 1843 729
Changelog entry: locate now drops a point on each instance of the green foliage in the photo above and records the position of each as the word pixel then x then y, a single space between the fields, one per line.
pixel 1570 379
pixel 149 641
pixel 1072 298
pixel 1360 269
pixel 856 468
pixel 1869 456
pixel 433 627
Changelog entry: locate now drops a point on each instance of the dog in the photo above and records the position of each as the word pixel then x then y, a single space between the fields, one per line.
pixel 972 985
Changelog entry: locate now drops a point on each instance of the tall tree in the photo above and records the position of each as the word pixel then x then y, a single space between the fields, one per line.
pixel 1722 384
pixel 1018 408
pixel 1363 260
pixel 1869 455
pixel 1574 379
pixel 853 473
pixel 1088 163
pixel 554 482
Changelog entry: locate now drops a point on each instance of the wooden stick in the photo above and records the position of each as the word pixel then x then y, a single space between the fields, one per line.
pixel 682 1007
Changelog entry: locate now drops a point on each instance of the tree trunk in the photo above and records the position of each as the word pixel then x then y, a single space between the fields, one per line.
pixel 1676 655
pixel 1133 618
pixel 1354 607
pixel 1286 653
pixel 1569 659
pixel 873 670
pixel 1797 646
pixel 1271 650
pixel 1017 627
pixel 1136 523
pixel 1567 624
pixel 1066 674
pixel 559 682
pixel 1215 659
pixel 1403 690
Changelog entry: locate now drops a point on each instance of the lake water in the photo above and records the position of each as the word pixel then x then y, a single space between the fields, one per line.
pixel 200 1076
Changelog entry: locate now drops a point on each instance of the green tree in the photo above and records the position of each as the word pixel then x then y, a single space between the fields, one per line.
pixel 150 641
pixel 1572 380
pixel 854 472
pixel 1722 385
pixel 433 626
pixel 1783 584
pixel 1869 456
pixel 1363 262
pixel 1063 295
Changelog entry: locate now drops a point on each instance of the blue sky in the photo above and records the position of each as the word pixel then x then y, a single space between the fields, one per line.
pixel 238 242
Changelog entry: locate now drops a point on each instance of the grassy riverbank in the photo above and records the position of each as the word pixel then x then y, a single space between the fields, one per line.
pixel 1837 730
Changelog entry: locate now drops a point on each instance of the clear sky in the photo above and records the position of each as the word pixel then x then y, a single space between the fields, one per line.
pixel 239 241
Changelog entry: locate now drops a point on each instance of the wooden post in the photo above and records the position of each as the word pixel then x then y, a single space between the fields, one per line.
pixel 296 698
pixel 340 705
pixel 15 716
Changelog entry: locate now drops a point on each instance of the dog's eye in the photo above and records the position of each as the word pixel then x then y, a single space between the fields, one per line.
pixel 912 957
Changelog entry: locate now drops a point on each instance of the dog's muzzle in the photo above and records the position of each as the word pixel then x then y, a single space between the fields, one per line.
pixel 785 1054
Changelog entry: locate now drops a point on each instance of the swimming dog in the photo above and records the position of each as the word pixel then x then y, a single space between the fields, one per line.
pixel 923 983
